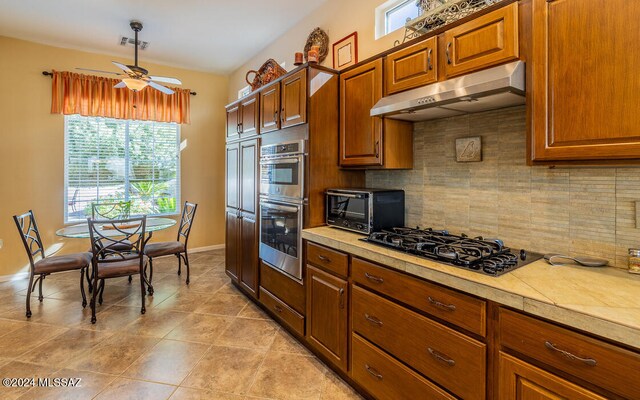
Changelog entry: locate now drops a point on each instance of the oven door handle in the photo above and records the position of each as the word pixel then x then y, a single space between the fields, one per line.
pixel 280 207
pixel 280 161
pixel 351 196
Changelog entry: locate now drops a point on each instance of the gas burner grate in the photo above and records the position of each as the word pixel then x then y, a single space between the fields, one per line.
pixel 488 256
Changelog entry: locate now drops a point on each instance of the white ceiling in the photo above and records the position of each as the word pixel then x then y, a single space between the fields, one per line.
pixel 209 35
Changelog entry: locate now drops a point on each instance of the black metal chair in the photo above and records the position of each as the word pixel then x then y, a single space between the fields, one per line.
pixel 110 258
pixel 177 248
pixel 45 266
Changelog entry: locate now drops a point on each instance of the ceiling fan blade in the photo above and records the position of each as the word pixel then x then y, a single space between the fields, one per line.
pixel 159 87
pixel 99 71
pixel 123 67
pixel 120 85
pixel 166 79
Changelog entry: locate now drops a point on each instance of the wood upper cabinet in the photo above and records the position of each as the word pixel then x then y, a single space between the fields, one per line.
pixel 360 134
pixel 248 175
pixel 232 169
pixel 412 67
pixel 519 380
pixel 270 108
pixel 327 301
pixel 233 120
pixel 249 116
pixel 294 99
pixel 585 92
pixel 488 40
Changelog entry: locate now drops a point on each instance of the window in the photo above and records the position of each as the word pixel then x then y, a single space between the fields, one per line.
pixel 393 14
pixel 110 160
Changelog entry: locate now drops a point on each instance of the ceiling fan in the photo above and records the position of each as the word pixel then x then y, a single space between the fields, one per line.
pixel 137 78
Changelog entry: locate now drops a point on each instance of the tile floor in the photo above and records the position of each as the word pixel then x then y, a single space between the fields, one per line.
pixel 202 341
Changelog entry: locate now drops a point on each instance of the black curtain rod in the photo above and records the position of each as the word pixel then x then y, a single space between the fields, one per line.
pixel 47 73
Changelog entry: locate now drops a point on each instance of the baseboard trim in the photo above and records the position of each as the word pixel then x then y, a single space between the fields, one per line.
pixel 25 275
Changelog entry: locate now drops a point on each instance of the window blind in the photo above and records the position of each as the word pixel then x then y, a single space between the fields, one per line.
pixel 113 160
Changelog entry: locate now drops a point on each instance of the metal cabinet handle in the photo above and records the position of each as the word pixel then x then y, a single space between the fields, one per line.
pixel 373 372
pixel 341 294
pixel 377 149
pixel 589 361
pixel 278 308
pixel 373 278
pixel 275 114
pixel 238 127
pixel 241 125
pixel 441 357
pixel 282 115
pixel 373 320
pixel 323 258
pixel 429 64
pixel 448 54
pixel 447 307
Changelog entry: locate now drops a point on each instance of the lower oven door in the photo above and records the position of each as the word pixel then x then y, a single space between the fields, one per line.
pixel 281 236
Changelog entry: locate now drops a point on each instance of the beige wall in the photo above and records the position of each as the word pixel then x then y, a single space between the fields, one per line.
pixel 587 211
pixel 32 148
pixel 338 18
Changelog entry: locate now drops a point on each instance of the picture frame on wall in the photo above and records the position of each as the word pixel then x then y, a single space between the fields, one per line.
pixel 345 51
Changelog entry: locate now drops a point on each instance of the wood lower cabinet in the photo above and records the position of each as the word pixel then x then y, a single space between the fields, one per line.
pixel 518 380
pixel 366 141
pixel 488 40
pixel 412 67
pixel 294 99
pixel 241 254
pixel 327 300
pixel 585 89
pixel 270 108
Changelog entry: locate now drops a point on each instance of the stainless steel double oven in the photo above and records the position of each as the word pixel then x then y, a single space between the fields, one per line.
pixel 282 201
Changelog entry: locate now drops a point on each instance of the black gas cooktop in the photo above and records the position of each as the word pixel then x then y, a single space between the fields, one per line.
pixel 487 256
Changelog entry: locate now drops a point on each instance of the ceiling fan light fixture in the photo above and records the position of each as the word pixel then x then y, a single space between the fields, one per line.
pixel 135 84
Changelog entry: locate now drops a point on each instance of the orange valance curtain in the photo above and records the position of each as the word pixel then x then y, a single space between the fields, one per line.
pixel 95 96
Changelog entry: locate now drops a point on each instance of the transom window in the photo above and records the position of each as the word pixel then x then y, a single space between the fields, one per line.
pixel 393 14
pixel 113 160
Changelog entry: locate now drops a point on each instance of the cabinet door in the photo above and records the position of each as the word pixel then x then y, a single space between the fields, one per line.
pixel 233 120
pixel 586 86
pixel 327 315
pixel 232 167
pixel 249 253
pixel 232 244
pixel 412 67
pixel 248 175
pixel 482 42
pixel 360 134
pixel 294 99
pixel 521 381
pixel 249 116
pixel 270 108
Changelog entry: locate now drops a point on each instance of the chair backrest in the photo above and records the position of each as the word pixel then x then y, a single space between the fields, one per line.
pixel 30 235
pixel 117 240
pixel 111 210
pixel 186 221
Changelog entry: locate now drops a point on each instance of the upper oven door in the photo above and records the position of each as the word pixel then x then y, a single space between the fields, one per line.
pixel 351 208
pixel 282 177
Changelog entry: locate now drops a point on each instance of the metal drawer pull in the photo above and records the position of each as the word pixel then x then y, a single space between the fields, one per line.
pixel 441 357
pixel 324 259
pixel 373 320
pixel 341 298
pixel 589 361
pixel 447 52
pixel 447 307
pixel 373 372
pixel 430 66
pixel 373 278
pixel 278 308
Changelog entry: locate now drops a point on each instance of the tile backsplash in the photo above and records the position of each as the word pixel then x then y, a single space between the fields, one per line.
pixel 586 211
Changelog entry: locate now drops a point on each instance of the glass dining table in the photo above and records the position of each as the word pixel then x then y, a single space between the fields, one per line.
pixel 81 231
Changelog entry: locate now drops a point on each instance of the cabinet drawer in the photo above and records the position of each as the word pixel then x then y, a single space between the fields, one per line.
pixel 328 259
pixel 464 311
pixel 592 360
pixel 386 378
pixel 412 67
pixel 287 314
pixel 445 356
pixel 485 41
pixel 283 287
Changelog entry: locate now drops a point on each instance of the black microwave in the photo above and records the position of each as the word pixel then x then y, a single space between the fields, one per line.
pixel 365 210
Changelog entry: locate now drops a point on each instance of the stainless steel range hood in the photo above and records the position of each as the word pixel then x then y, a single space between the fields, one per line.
pixel 494 88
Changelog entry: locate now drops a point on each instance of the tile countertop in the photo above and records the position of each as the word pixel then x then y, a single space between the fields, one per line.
pixel 603 301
